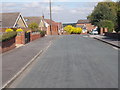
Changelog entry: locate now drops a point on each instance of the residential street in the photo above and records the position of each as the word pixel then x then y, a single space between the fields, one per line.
pixel 73 61
pixel 13 61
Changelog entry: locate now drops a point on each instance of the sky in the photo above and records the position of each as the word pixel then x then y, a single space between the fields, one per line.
pixel 65 11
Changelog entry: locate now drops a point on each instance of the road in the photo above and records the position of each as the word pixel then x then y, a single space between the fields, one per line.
pixel 73 61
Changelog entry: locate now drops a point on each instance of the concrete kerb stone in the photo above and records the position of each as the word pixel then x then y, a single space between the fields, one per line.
pixel 25 67
pixel 107 42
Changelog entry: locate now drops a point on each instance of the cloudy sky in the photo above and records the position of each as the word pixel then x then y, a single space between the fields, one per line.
pixel 66 11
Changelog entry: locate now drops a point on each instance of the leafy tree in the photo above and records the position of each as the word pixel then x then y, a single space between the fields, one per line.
pixel 104 11
pixel 117 27
pixel 107 24
pixel 33 26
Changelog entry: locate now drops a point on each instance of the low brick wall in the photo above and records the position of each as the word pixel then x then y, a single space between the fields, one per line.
pixel 20 39
pixel 34 36
pixel 113 35
pixel 7 45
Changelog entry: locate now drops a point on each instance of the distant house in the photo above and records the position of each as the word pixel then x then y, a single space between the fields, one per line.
pixel 39 20
pixel 54 27
pixel 85 25
pixel 44 24
pixel 12 20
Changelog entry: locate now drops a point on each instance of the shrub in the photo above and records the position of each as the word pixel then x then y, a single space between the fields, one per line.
pixel 33 26
pixel 7 36
pixel 19 30
pixel 28 31
pixel 8 30
pixel 72 30
pixel 42 33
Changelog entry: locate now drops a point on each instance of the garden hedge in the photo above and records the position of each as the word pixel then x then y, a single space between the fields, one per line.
pixel 7 36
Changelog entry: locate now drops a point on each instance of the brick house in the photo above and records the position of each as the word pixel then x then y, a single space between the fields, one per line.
pixel 85 25
pixel 54 27
pixel 12 20
pixel 44 24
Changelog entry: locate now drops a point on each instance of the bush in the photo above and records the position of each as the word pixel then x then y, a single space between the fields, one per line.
pixel 73 30
pixel 7 36
pixel 28 31
pixel 33 26
pixel 8 30
pixel 19 30
pixel 42 33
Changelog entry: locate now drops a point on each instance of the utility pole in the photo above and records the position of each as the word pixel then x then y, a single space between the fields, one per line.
pixel 50 19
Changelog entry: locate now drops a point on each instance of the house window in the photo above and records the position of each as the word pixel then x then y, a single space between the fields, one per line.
pixel 17 26
pixel 26 20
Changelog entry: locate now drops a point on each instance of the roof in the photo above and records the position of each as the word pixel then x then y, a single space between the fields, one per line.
pixel 53 22
pixel 83 21
pixel 8 19
pixel 30 20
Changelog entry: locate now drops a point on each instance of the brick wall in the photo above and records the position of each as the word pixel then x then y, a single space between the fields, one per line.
pixel 34 36
pixel 54 30
pixel 7 45
pixel 20 38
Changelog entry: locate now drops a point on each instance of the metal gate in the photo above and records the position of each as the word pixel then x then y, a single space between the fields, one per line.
pixel 27 37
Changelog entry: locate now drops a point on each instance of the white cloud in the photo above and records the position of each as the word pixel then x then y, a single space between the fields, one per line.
pixel 32 4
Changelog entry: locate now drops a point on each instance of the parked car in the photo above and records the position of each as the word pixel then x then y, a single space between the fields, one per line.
pixel 94 32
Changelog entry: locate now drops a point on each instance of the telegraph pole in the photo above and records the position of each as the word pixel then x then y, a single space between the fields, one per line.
pixel 50 19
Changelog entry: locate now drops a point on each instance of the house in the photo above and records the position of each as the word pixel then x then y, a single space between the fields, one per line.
pixel 44 24
pixel 54 27
pixel 12 20
pixel 85 25
pixel 39 20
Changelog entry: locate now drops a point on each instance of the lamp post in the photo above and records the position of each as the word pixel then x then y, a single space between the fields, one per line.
pixel 50 19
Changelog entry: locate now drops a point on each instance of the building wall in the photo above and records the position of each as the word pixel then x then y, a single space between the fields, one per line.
pixel 21 23
pixel 54 30
pixel 89 26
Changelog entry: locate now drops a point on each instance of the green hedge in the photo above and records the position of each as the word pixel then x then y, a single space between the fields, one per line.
pixel 7 36
pixel 42 33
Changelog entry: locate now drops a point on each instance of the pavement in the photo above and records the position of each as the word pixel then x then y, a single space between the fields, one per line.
pixel 73 61
pixel 113 42
pixel 13 61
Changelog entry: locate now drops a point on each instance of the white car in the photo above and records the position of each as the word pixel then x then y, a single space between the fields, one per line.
pixel 94 32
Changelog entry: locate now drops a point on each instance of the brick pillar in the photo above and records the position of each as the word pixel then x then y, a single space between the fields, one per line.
pixel 48 30
pixel 105 30
pixel 20 39
pixel 23 37
pixel 101 31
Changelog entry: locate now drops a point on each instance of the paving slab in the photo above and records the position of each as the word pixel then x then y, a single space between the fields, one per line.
pixel 108 40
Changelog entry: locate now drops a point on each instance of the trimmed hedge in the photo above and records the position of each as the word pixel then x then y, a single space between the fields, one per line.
pixel 42 33
pixel 9 30
pixel 7 36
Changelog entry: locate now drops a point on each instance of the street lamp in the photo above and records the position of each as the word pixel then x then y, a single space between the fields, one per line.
pixel 50 19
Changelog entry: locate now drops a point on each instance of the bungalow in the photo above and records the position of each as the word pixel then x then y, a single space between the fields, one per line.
pixel 44 24
pixel 12 20
pixel 85 25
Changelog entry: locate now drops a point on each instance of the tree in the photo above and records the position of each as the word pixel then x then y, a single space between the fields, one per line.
pixel 107 24
pixel 104 11
pixel 33 26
